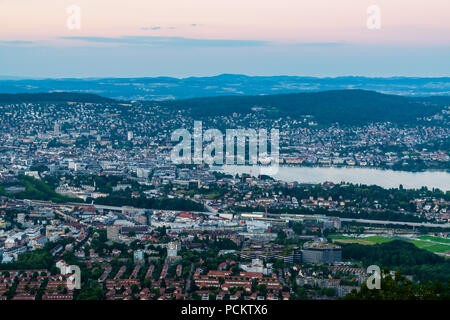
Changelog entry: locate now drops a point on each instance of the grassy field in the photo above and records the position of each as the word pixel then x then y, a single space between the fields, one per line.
pixel 343 239
pixel 425 242
pixel 435 239
pixel 378 239
pixel 366 241
pixel 430 246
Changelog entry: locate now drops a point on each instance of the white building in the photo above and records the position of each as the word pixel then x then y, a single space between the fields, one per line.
pixel 130 135
pixel 256 265
pixel 172 249
pixel 63 267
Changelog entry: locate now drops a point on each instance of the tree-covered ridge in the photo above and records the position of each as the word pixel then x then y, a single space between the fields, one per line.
pixel 347 107
pixel 343 106
pixel 120 199
pixel 53 97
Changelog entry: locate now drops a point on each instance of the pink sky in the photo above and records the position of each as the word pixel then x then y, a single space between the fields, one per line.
pixel 417 22
pixel 208 37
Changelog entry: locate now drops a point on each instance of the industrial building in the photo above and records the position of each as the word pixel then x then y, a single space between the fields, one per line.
pixel 321 252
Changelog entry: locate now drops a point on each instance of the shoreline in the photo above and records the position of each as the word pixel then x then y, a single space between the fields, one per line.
pixel 384 178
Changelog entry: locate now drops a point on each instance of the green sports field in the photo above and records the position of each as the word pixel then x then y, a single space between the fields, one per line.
pixel 430 243
pixel 435 239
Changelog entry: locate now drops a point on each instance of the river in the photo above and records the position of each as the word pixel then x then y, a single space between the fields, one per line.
pixel 368 176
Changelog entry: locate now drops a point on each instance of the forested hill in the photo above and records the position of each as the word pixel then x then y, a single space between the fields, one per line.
pixel 348 107
pixel 403 256
pixel 52 97
pixel 343 106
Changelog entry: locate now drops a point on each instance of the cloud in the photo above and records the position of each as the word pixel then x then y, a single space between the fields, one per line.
pixel 168 28
pixel 170 41
pixel 14 42
pixel 320 44
pixel 151 28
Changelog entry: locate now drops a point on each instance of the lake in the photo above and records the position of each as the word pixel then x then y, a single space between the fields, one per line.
pixel 368 176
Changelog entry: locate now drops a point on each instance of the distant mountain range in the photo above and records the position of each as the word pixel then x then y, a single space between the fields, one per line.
pixel 352 107
pixel 166 88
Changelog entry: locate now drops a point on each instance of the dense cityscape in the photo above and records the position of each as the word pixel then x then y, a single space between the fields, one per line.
pixel 224 159
pixel 92 184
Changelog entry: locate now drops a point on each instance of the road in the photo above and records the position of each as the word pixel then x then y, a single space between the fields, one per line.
pixel 412 224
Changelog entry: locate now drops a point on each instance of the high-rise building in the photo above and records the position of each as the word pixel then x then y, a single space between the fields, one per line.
pixel 112 233
pixel 172 253
pixel 172 249
pixel 138 256
pixel 142 173
pixel 21 218
pixel 130 135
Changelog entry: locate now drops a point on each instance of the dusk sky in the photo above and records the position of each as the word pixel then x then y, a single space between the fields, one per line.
pixel 180 38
